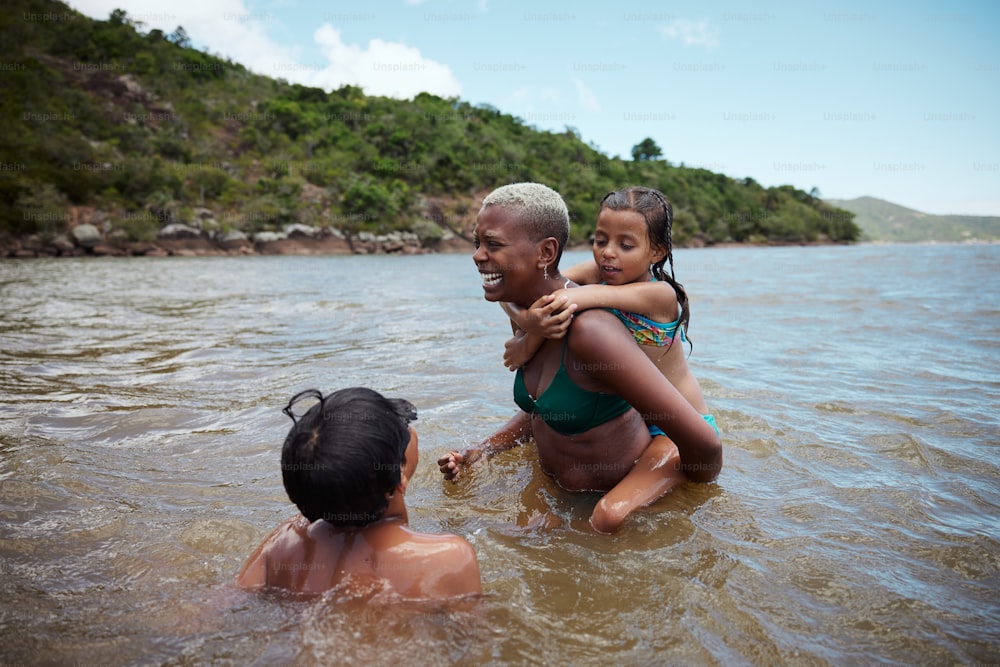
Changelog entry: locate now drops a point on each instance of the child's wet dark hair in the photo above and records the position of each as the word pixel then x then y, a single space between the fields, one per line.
pixel 345 455
pixel 656 210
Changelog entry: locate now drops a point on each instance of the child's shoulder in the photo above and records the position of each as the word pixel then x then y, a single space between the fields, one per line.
pixel 663 304
pixel 654 299
pixel 446 543
pixel 449 550
pixel 665 291
pixel 436 565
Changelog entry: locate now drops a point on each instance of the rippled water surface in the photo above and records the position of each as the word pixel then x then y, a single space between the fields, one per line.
pixel 855 522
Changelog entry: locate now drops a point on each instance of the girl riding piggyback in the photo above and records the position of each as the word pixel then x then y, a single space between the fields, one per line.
pixel 632 247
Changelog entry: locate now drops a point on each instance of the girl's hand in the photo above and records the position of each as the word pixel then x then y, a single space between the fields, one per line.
pixel 550 316
pixel 517 352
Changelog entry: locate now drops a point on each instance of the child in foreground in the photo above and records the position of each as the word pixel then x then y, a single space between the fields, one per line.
pixel 346 463
pixel 632 242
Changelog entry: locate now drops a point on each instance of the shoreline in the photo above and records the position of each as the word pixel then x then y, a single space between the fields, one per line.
pixel 33 247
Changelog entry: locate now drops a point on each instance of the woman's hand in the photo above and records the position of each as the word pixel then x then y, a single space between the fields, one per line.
pixel 453 463
pixel 449 465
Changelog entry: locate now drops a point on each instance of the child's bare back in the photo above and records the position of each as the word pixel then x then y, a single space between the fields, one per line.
pixel 346 464
pixel 313 557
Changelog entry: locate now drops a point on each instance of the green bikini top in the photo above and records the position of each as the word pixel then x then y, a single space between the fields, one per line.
pixel 567 408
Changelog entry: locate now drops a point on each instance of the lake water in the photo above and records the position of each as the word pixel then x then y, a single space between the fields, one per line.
pixel 855 521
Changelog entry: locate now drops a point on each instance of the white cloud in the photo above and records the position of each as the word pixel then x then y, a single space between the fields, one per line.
pixel 691 33
pixel 588 100
pixel 383 68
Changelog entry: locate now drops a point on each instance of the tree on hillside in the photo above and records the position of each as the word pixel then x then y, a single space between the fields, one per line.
pixel 646 150
pixel 180 38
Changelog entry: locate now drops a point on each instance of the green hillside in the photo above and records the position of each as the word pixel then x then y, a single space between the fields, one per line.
pixel 880 220
pixel 105 116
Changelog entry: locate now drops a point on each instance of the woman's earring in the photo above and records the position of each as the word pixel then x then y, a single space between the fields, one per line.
pixel 545 271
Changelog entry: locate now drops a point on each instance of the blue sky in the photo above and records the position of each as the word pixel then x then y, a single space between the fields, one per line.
pixel 896 100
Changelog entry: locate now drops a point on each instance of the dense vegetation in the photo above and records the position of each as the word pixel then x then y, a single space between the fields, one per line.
pixel 136 123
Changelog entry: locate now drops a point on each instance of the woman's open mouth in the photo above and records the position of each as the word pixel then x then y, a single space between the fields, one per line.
pixel 490 279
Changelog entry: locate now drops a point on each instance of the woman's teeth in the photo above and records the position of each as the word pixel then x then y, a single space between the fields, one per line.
pixel 491 279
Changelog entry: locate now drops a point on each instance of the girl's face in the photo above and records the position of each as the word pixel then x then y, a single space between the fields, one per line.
pixel 622 249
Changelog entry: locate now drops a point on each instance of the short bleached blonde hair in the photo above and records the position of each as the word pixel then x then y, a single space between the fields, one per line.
pixel 542 211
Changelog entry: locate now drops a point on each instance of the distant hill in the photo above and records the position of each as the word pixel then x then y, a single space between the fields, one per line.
pixel 880 220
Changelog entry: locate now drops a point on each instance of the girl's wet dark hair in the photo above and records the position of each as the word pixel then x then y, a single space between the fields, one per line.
pixel 653 206
pixel 345 455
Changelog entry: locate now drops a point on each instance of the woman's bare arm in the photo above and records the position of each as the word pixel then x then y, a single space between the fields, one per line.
pixel 598 341
pixel 510 435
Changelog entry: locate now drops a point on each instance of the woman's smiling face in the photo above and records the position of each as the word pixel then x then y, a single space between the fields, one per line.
pixel 504 255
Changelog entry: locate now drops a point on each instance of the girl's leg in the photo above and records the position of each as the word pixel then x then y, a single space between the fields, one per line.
pixel 657 471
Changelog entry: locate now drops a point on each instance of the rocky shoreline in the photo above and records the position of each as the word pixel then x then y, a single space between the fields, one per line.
pixel 178 240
